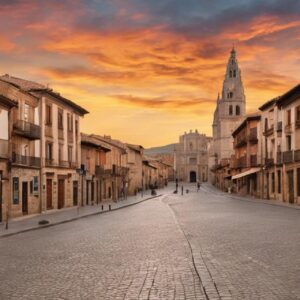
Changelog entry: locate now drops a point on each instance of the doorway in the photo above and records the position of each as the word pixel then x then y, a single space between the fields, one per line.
pixel 61 194
pixel 290 175
pixel 75 193
pixel 49 194
pixel 25 197
pixel 193 176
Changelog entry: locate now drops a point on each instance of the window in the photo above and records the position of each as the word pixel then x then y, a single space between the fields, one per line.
pixel 279 182
pixel 298 182
pixel 288 117
pixel 193 160
pixel 60 152
pixel 76 128
pixel 288 143
pixel 15 190
pixel 237 110
pixel 230 95
pixel 70 122
pixel 49 153
pixel 191 146
pixel 35 184
pixel 230 110
pixel 230 74
pixel 26 112
pixel 273 182
pixel 70 152
pixel 48 114
pixel 266 124
pixel 60 119
pixel 234 73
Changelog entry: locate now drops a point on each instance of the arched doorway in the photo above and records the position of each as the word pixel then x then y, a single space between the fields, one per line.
pixel 193 176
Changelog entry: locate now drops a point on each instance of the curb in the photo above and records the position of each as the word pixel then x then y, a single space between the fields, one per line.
pixel 75 218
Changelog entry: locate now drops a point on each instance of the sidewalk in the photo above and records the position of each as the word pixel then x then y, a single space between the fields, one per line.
pixel 213 189
pixel 55 217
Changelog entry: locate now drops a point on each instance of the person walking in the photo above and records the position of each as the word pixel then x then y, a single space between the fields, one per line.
pixel 198 186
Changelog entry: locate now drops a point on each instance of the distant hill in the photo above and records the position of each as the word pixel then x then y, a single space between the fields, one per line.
pixel 160 150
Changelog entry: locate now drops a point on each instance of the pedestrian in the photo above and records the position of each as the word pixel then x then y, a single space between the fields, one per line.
pixel 182 190
pixel 198 186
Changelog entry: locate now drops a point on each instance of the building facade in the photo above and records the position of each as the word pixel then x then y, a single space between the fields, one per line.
pixel 191 157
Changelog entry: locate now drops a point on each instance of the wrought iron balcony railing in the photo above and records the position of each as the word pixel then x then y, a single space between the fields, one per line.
pixel 27 129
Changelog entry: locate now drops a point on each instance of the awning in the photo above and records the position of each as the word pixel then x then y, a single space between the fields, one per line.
pixel 246 173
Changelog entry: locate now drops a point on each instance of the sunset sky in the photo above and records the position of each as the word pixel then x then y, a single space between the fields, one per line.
pixel 148 70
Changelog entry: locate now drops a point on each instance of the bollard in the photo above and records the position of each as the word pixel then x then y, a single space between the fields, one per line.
pixel 109 207
pixel 101 207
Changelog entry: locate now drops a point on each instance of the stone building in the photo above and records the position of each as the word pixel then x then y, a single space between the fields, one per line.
pixel 6 106
pixel 230 110
pixel 191 157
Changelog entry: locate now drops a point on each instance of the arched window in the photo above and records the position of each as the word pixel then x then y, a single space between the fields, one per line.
pixel 230 110
pixel 234 73
pixel 230 95
pixel 237 110
pixel 230 74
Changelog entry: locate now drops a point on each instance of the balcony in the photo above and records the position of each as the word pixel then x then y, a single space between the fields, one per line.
pixel 26 160
pixel 49 162
pixel 269 131
pixel 27 129
pixel 252 138
pixel 253 160
pixel 287 156
pixel 297 155
pixel 279 158
pixel 269 162
pixel 279 126
pixel 297 124
pixel 119 171
pixel 240 141
pixel 4 148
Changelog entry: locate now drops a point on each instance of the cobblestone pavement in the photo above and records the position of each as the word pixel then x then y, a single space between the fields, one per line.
pixel 197 246
pixel 247 250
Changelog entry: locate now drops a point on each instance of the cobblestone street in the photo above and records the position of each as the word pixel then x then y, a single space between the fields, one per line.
pixel 202 245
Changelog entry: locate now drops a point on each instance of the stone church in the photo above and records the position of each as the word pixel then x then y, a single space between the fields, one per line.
pixel 191 160
pixel 230 110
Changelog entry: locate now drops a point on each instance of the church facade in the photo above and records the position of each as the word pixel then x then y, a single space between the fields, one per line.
pixel 229 112
pixel 191 159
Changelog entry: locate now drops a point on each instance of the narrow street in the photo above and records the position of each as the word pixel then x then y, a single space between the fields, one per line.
pixel 203 245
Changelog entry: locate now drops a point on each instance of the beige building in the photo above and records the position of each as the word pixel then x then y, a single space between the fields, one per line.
pixel 230 110
pixel 51 145
pixel 6 106
pixel 191 157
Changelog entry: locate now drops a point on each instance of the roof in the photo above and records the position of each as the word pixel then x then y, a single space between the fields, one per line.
pixel 88 140
pixel 31 87
pixel 268 104
pixel 110 142
pixel 289 96
pixel 252 117
pixel 9 103
pixel 137 148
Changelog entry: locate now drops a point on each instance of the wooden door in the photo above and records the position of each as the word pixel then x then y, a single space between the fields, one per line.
pixel 49 194
pixel 291 186
pixel 25 197
pixel 75 193
pixel 61 194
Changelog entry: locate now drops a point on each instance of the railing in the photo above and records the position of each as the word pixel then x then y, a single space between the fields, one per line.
pixel 279 158
pixel 253 160
pixel 297 155
pixel 49 162
pixel 253 135
pixel 240 141
pixel 269 131
pixel 269 162
pixel 287 156
pixel 279 126
pixel 4 148
pixel 27 129
pixel 119 171
pixel 26 160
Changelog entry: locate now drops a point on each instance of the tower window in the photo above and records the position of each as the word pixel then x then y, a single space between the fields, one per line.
pixel 230 95
pixel 234 73
pixel 237 110
pixel 230 110
pixel 230 74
